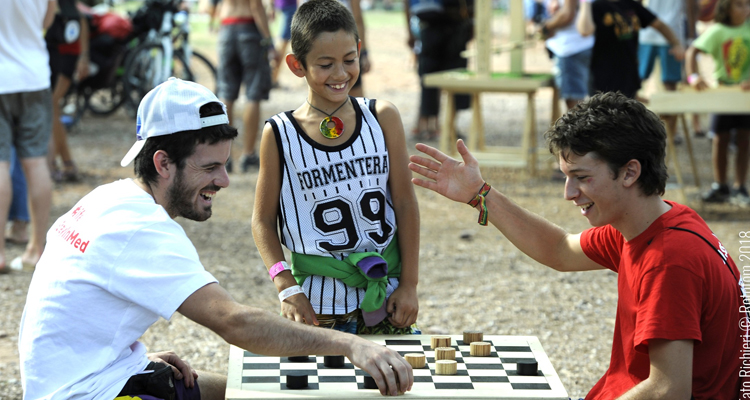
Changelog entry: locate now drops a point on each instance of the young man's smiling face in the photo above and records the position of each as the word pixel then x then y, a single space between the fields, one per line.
pixel 332 66
pixel 190 193
pixel 592 186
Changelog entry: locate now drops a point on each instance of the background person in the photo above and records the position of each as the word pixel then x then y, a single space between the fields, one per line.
pixel 69 60
pixel 25 116
pixel 728 42
pixel 615 25
pixel 245 44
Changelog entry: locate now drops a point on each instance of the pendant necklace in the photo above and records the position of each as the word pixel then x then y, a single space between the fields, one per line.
pixel 338 124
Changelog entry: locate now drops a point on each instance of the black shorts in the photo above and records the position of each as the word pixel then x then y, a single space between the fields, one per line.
pixel 61 64
pixel 158 384
pixel 725 123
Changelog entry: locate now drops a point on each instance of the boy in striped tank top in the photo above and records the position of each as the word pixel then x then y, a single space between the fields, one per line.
pixel 334 179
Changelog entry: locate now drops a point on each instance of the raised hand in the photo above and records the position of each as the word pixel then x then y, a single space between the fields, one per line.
pixel 458 181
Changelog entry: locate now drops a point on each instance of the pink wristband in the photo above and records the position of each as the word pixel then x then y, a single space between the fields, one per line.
pixel 278 268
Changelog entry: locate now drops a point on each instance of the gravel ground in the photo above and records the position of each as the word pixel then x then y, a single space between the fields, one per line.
pixel 471 277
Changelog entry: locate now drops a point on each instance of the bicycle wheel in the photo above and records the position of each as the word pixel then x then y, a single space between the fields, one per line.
pixel 106 100
pixel 143 71
pixel 198 69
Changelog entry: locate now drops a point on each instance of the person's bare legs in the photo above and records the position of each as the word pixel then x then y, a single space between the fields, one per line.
pixel 17 232
pixel 719 150
pixel 40 201
pixel 212 386
pixel 279 61
pixel 741 160
pixel 250 120
pixel 6 193
pixel 59 143
pixel 697 128
pixel 570 103
pixel 671 120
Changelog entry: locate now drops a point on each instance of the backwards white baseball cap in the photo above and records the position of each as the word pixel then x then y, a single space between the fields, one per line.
pixel 173 106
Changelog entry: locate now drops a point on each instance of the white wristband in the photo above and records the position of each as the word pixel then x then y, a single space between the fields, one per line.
pixel 289 292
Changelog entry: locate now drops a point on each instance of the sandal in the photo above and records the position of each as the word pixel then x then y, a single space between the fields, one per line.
pixel 70 171
pixel 18 264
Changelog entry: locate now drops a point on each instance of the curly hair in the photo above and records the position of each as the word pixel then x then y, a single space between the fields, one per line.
pixel 615 129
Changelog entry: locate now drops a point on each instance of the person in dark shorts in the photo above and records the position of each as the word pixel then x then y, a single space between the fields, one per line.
pixel 69 60
pixel 443 35
pixel 25 116
pixel 245 47
pixel 287 9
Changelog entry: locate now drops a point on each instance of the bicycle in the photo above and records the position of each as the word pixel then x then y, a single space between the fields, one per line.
pixel 165 52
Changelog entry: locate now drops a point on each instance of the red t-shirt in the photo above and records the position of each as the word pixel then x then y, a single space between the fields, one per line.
pixel 671 285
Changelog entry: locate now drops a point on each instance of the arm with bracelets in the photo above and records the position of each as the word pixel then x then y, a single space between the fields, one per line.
pixel 462 181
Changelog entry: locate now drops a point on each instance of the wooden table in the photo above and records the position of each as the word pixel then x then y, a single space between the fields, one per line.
pixel 467 82
pixel 252 376
pixel 724 100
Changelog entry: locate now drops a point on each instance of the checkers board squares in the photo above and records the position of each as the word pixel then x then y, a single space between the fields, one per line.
pixel 261 377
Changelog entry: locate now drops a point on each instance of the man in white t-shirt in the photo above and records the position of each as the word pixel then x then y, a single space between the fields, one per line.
pixel 117 262
pixel 25 115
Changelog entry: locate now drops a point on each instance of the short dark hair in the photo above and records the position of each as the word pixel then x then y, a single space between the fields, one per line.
pixel 315 17
pixel 723 12
pixel 615 129
pixel 181 145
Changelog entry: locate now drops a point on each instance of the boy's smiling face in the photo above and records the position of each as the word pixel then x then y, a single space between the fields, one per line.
pixel 332 66
pixel 592 187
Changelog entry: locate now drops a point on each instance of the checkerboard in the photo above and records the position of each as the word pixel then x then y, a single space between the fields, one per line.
pixel 253 376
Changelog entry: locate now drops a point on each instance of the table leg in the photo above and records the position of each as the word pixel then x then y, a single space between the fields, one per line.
pixel 673 154
pixel 476 136
pixel 448 127
pixel 556 113
pixel 689 144
pixel 528 142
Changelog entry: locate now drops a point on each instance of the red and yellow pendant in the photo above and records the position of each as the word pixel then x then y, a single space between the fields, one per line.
pixel 331 132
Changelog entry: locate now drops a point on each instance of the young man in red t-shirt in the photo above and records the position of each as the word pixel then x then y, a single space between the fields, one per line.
pixel 676 332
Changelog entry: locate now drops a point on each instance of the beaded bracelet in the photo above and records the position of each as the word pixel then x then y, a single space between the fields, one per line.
pixel 479 199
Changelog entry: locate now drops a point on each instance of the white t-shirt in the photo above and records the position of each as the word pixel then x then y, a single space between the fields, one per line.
pixel 113 265
pixel 672 14
pixel 24 60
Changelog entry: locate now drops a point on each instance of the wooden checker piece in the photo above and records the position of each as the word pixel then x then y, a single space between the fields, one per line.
pixel 445 353
pixel 501 375
pixel 440 341
pixel 472 336
pixel 480 349
pixel 416 360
